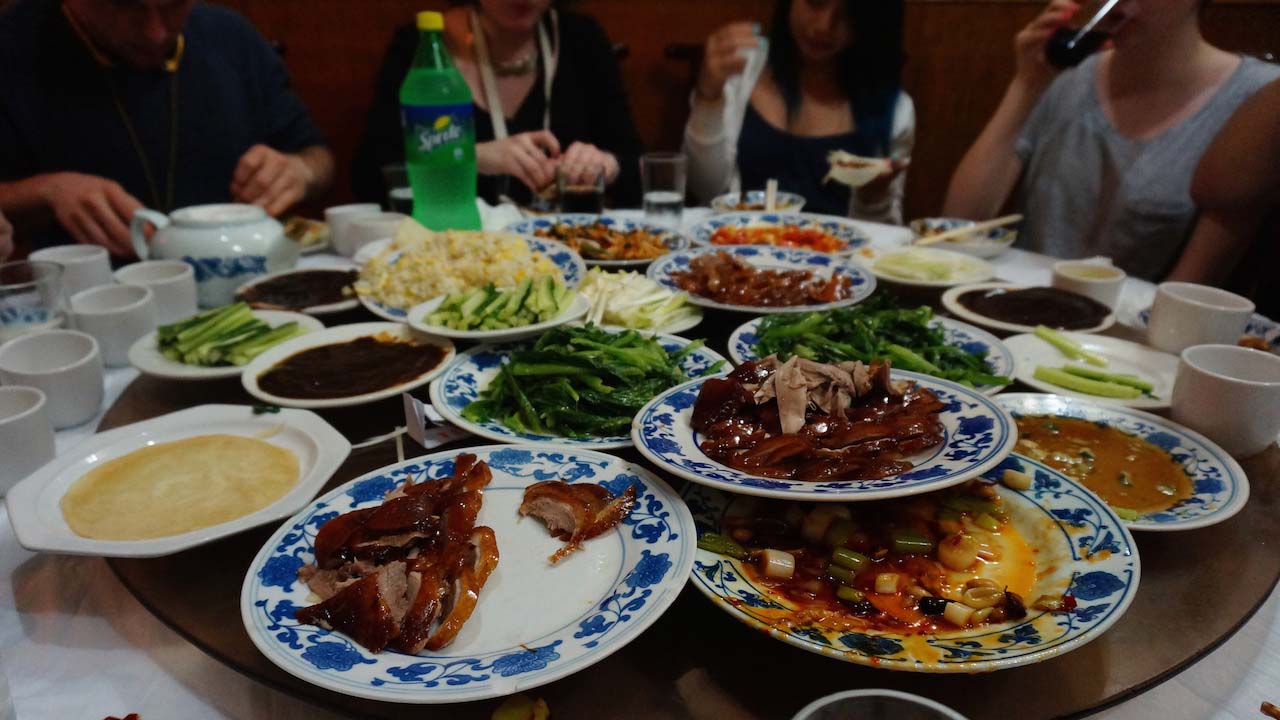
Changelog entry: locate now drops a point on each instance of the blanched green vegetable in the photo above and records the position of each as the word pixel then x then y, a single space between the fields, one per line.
pixel 874 330
pixel 580 382
pixel 229 335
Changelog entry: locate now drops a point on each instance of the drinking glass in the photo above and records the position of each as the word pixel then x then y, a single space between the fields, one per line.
pixel 1093 24
pixel 663 177
pixel 585 197
pixel 399 193
pixel 30 297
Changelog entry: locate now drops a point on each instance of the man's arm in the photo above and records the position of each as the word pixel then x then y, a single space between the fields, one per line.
pixel 1236 183
pixel 94 210
pixel 276 181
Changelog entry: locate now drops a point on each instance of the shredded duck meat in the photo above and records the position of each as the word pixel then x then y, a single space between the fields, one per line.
pixel 803 420
pixel 406 573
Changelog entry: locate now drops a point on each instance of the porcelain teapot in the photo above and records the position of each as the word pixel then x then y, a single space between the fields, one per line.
pixel 227 244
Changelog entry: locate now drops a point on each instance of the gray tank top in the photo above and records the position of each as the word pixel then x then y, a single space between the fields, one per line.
pixel 1088 190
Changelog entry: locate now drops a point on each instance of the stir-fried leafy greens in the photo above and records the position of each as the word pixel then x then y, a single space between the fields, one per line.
pixel 875 329
pixel 580 382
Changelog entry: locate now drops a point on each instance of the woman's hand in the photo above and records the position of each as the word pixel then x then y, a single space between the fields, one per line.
pixel 583 163
pixel 723 57
pixel 876 192
pixel 1033 67
pixel 529 157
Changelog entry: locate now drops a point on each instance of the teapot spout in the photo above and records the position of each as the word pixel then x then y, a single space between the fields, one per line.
pixel 138 229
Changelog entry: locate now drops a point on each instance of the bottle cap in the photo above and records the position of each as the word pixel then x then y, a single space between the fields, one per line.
pixel 428 20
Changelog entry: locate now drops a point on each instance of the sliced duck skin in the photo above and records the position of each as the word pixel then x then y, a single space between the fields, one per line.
pixel 479 557
pixel 575 512
pixel 334 536
pixel 427 587
pixel 369 611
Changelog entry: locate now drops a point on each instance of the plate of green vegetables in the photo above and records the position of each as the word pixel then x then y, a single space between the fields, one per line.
pixel 876 329
pixel 577 385
pixel 216 343
pixel 491 314
pixel 1106 369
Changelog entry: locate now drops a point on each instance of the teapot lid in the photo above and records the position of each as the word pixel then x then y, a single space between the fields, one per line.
pixel 219 214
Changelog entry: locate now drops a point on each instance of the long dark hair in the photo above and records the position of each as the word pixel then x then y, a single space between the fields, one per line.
pixel 871 67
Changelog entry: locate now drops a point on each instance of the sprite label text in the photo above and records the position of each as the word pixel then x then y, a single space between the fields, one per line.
pixel 438 128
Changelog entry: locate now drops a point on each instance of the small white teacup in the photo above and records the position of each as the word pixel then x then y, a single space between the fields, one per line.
pixel 65 364
pixel 1186 314
pixel 172 281
pixel 339 220
pixel 1100 281
pixel 1230 394
pixel 83 266
pixel 25 434
pixel 116 316
pixel 367 229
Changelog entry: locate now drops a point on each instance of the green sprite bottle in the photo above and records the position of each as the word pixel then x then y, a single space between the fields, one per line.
pixel 439 134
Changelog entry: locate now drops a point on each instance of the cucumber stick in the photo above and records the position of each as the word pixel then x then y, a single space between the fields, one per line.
pixel 532 300
pixel 1119 379
pixel 1069 347
pixel 1101 388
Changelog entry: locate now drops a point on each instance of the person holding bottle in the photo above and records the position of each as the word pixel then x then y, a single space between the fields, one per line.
pixel 547 92
pixel 827 78
pixel 1102 155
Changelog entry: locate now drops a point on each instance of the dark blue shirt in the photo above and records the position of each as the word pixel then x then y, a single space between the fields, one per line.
pixel 797 162
pixel 57 112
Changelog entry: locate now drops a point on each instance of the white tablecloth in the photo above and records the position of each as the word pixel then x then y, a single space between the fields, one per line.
pixel 75 644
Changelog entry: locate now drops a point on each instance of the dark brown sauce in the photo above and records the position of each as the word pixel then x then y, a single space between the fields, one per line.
pixel 1036 306
pixel 301 290
pixel 356 367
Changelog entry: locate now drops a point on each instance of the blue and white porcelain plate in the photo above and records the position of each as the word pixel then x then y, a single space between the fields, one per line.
pixel 1259 325
pixel 535 622
pixel 474 369
pixel 1081 549
pixel 977 435
pixel 769 257
pixel 672 239
pixel 1219 485
pixel 840 228
pixel 571 265
pixel 783 202
pixel 742 346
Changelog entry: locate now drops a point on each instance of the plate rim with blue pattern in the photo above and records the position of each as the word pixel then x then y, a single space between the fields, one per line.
pixel 448 392
pixel 741 348
pixel 864 283
pixel 841 228
pixel 971 445
pixel 723 203
pixel 1220 474
pixel 658 554
pixel 571 265
pixel 673 238
pixel 1105 564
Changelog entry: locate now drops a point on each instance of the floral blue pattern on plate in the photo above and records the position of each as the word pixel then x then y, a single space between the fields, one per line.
pixel 1259 325
pixel 570 263
pixel 534 623
pixel 1085 551
pixel 474 369
pixel 977 435
pixel 672 239
pixel 742 346
pixel 771 258
pixel 1219 485
pixel 837 227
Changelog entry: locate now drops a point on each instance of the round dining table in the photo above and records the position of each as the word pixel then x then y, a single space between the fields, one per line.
pixel 84 637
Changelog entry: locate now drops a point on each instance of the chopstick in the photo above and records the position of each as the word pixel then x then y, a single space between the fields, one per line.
pixel 975 228
pixel 1270 710
pixel 771 195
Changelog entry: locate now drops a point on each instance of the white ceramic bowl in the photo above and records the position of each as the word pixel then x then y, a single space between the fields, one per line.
pixel 987 244
pixel 65 364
